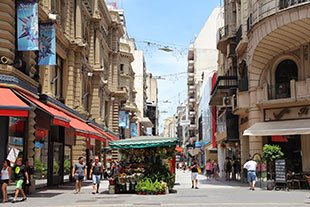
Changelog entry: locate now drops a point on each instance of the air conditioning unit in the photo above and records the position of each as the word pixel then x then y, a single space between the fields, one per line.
pixel 227 101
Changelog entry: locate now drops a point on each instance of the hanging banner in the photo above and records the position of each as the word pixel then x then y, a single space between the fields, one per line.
pixel 134 129
pixel 47 45
pixel 27 25
pixel 123 119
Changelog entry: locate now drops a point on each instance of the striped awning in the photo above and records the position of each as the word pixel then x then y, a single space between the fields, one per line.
pixel 143 142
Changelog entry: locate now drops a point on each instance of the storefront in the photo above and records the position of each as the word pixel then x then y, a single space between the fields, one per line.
pixel 13 128
pixel 290 129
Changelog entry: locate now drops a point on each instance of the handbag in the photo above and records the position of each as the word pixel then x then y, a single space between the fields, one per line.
pixel 199 170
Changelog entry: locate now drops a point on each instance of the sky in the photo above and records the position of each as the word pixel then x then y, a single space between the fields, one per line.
pixel 172 23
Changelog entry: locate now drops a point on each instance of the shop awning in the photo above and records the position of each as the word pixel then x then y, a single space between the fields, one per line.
pixel 143 142
pixel 84 130
pixel 59 118
pixel 279 128
pixel 104 131
pixel 11 105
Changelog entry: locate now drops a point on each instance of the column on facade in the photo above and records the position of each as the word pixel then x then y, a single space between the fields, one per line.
pixel 95 107
pixel 78 80
pixel 70 83
pixel 45 79
pixel 255 142
pixel 30 143
pixel 7 29
pixel 79 149
pixel 78 20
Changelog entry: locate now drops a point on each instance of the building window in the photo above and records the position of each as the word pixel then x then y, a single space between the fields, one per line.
pixel 16 138
pixel 56 79
pixel 285 72
pixel 86 90
pixel 41 155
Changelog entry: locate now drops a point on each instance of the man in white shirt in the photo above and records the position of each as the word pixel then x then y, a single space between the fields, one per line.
pixel 251 167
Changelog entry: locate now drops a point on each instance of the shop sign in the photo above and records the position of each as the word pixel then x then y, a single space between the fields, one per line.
pixel 47 45
pixel 292 113
pixel 27 25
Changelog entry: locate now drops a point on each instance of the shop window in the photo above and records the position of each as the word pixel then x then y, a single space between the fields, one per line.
pixel 41 156
pixel 67 162
pixel 16 138
pixel 285 72
pixel 57 79
pixel 86 90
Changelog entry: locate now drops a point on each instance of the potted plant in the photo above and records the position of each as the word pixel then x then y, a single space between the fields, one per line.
pixel 270 154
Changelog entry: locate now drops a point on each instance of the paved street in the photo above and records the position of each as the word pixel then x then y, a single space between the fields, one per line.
pixel 209 194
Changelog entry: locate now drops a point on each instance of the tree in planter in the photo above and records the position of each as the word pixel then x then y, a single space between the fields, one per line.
pixel 270 154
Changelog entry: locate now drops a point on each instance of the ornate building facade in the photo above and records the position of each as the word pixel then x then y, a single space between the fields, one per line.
pixel 69 109
pixel 265 76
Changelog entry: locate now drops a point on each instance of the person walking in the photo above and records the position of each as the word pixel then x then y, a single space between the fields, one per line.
pixel 208 170
pixel 228 168
pixel 216 170
pixel 29 170
pixel 251 168
pixel 20 173
pixel 79 171
pixel 194 174
pixel 5 174
pixel 96 172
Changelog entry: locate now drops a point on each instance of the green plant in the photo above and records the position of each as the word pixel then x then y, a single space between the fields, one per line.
pixel 270 154
pixel 55 168
pixel 67 166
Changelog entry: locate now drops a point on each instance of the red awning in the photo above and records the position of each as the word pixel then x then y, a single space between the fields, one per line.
pixel 83 129
pixel 11 105
pixel 101 131
pixel 59 118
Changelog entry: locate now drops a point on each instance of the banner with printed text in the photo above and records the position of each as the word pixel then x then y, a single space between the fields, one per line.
pixel 123 119
pixel 133 129
pixel 47 45
pixel 27 25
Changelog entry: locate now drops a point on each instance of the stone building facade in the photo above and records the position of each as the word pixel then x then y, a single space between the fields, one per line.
pixel 265 77
pixel 85 86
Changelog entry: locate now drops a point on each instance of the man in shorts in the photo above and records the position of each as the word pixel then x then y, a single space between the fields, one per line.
pixel 96 172
pixel 20 174
pixel 251 167
pixel 194 175
pixel 79 171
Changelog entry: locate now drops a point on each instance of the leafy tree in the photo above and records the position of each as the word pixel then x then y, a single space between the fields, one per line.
pixel 270 154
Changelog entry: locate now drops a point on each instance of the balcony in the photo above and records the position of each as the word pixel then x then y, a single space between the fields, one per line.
pixel 122 92
pixel 224 86
pixel 191 66
pixel 284 4
pixel 262 9
pixel 227 126
pixel 192 100
pixel 284 94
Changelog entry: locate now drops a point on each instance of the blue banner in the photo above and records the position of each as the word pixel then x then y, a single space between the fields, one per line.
pixel 47 45
pixel 123 119
pixel 27 26
pixel 134 129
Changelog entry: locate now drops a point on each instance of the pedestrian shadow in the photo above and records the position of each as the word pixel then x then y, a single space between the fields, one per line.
pixel 44 195
pixel 221 182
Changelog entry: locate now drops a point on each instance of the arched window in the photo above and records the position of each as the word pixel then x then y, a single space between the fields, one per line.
pixel 285 72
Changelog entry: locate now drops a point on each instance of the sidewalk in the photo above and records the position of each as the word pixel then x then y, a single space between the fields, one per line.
pixel 213 193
